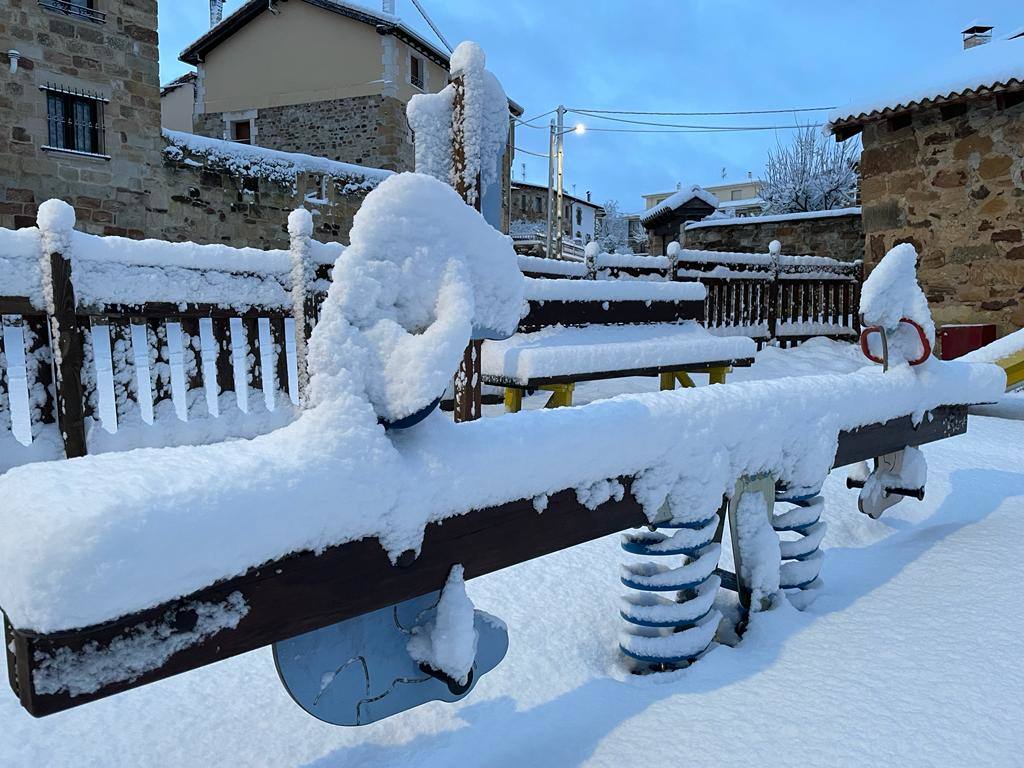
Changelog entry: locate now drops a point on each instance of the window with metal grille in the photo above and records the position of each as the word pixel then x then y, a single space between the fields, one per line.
pixel 75 121
pixel 83 9
pixel 416 68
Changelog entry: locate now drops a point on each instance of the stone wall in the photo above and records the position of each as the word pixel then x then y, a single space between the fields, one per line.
pixel 954 188
pixel 839 237
pixel 365 130
pixel 115 58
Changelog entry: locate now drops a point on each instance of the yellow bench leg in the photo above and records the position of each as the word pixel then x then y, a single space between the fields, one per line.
pixel 668 381
pixel 561 395
pixel 513 400
pixel 717 374
pixel 684 380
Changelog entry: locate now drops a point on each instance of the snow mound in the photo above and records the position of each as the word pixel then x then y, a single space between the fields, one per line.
pixel 448 643
pixel 422 271
pixel 892 293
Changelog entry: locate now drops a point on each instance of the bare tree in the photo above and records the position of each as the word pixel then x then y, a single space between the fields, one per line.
pixel 813 173
pixel 613 236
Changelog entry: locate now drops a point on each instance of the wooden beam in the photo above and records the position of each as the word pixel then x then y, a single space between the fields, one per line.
pixel 305 591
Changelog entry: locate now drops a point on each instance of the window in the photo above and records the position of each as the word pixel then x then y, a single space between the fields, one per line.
pixel 538 204
pixel 736 194
pixel 241 131
pixel 83 9
pixel 417 71
pixel 579 216
pixel 74 121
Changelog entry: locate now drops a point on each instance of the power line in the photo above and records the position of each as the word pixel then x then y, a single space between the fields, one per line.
pixel 701 114
pixel 528 152
pixel 683 125
pixel 707 130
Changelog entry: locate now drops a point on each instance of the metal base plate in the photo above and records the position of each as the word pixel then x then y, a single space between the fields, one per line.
pixel 359 671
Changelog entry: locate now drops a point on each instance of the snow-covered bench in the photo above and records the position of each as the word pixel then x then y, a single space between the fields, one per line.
pixel 591 330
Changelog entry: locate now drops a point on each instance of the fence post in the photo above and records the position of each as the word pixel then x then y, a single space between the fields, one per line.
pixel 56 220
pixel 774 288
pixel 673 261
pixel 590 259
pixel 300 232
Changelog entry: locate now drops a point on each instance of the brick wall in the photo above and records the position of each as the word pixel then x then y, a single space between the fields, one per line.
pixel 955 189
pixel 839 237
pixel 365 130
pixel 115 58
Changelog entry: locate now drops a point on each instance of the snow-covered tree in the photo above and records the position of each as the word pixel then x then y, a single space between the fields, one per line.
pixel 613 233
pixel 813 173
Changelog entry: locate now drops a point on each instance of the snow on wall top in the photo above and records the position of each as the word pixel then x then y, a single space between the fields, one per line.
pixel 731 221
pixel 270 164
pixel 678 198
pixel 19 264
pixel 995 64
pixel 545 289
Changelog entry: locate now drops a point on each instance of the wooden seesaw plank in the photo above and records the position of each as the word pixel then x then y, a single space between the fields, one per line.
pixel 305 591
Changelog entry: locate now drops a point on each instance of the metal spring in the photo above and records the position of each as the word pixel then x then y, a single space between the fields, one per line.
pixel 665 632
pixel 802 555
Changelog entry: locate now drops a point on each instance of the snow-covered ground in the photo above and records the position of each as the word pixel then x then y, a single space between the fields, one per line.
pixel 911 656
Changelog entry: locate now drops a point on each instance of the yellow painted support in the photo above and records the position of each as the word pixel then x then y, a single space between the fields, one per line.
pixel 1014 367
pixel 718 373
pixel 513 400
pixel 561 395
pixel 668 381
pixel 684 380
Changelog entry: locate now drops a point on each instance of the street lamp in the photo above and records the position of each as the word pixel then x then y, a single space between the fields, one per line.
pixel 556 161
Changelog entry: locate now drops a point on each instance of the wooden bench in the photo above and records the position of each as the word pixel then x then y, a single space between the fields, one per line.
pixel 578 330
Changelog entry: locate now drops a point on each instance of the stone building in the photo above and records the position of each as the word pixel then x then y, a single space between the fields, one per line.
pixel 79 110
pixel 943 169
pixel 529 213
pixel 665 220
pixel 836 233
pixel 320 78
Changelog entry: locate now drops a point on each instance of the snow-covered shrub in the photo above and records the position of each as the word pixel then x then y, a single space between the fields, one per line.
pixel 813 173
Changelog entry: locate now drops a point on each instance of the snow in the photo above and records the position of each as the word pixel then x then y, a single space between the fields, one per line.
pixel 541 265
pixel 998 63
pixel 544 289
pixel 561 351
pixel 484 119
pixel 891 293
pixel 999 349
pixel 19 264
pixel 757 538
pixel 270 164
pixel 448 643
pixel 623 260
pixel 561 696
pixel 683 195
pixel 754 220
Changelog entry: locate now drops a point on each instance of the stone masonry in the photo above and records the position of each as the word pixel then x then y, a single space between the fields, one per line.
pixel 365 130
pixel 839 237
pixel 953 188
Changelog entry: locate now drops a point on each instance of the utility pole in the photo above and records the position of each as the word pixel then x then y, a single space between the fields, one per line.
pixel 551 184
pixel 560 137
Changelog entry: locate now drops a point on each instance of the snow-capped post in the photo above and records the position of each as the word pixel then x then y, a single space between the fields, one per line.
pixel 774 249
pixel 673 261
pixel 590 259
pixel 300 230
pixel 56 221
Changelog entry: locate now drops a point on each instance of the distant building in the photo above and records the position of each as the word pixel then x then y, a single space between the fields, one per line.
pixel 529 214
pixel 178 102
pixel 941 169
pixel 664 221
pixel 739 199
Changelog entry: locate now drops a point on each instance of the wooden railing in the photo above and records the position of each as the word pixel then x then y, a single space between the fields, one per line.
pixel 151 341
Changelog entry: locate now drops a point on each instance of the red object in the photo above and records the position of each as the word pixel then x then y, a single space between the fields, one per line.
pixel 926 347
pixel 958 340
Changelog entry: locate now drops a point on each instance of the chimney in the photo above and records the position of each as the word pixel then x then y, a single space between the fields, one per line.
pixel 389 7
pixel 216 12
pixel 977 33
pixel 588 195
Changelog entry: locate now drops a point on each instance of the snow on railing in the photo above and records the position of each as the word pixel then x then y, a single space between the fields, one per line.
pixel 162 343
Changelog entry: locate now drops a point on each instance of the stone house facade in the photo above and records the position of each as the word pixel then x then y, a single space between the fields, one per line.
pixel 837 234
pixel 945 172
pixel 529 210
pixel 338 91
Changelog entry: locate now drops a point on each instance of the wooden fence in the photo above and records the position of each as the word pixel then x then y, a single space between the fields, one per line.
pixel 87 319
pixel 768 297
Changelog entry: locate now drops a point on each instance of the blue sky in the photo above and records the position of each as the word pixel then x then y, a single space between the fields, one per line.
pixel 674 56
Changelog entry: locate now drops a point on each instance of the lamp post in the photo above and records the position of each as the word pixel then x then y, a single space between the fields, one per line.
pixel 556 163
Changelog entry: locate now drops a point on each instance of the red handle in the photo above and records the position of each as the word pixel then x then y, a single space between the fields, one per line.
pixel 926 346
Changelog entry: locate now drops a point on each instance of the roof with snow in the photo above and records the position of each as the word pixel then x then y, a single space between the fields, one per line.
pixel 989 68
pixel 677 200
pixel 543 188
pixel 176 83
pixel 384 23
